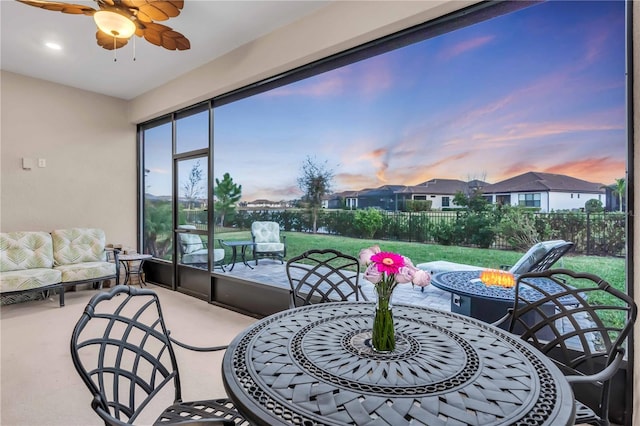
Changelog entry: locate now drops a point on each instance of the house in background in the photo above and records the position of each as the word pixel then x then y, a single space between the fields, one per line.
pixel 393 197
pixel 341 200
pixel 384 197
pixel 268 204
pixel 440 191
pixel 545 191
pixel 613 199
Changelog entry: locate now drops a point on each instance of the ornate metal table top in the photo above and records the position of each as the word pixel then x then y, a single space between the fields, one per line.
pixel 468 283
pixel 311 366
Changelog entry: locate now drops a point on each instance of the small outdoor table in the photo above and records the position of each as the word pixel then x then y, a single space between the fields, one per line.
pixel 127 261
pixel 311 366
pixel 470 297
pixel 234 251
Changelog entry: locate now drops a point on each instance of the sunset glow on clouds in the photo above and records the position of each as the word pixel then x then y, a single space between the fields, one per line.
pixel 541 89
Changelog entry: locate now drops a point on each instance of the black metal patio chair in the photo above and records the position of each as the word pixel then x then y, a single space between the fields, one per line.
pixel 582 325
pixel 319 276
pixel 124 354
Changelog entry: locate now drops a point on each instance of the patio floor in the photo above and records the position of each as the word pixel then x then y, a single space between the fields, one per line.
pixel 272 272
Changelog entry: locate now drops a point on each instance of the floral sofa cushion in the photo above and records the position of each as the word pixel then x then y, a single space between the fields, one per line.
pixel 28 279
pixel 26 261
pixel 25 250
pixel 79 254
pixel 78 245
pixel 86 271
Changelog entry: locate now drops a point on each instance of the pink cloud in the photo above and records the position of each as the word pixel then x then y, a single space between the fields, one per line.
pixel 377 77
pixel 329 84
pixel 465 46
pixel 602 169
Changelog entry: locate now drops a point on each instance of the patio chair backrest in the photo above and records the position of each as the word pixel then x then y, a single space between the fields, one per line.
pixel 581 322
pixel 541 256
pixel 121 349
pixel 190 243
pixel 265 232
pixel 318 276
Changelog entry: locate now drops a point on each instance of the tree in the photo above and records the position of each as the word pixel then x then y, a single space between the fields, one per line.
pixel 619 190
pixel 227 195
pixel 192 187
pixel 157 228
pixel 316 181
pixel 593 206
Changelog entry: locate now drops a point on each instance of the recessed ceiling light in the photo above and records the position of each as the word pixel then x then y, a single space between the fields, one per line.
pixel 52 45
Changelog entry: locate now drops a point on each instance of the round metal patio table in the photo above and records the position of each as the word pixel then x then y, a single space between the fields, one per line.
pixel 311 366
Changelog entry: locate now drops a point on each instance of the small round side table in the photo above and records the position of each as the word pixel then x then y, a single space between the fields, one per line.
pixel 128 260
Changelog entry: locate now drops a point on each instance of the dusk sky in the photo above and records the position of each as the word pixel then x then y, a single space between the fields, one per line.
pixel 541 89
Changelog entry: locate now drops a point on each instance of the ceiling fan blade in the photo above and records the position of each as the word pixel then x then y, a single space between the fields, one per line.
pixel 76 9
pixel 158 10
pixel 161 35
pixel 106 41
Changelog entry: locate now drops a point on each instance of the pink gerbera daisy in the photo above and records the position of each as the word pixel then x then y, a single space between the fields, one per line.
pixel 389 263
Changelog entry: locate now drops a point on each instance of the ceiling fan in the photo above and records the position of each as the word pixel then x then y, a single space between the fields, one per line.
pixel 118 20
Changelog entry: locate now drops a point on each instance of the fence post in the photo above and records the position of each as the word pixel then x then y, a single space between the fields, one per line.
pixel 588 233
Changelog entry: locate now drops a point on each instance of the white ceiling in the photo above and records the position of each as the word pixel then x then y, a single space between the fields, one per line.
pixel 213 28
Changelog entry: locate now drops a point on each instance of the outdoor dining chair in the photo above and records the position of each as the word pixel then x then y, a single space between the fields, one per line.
pixel 122 350
pixel 581 322
pixel 319 276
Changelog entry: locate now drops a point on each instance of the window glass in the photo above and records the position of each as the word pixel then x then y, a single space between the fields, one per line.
pixel 192 130
pixel 157 183
pixel 192 190
pixel 529 200
pixel 530 91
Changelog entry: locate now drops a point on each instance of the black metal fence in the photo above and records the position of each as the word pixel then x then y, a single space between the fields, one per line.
pixel 600 234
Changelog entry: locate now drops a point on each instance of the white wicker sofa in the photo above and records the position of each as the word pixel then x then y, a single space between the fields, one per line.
pixel 40 261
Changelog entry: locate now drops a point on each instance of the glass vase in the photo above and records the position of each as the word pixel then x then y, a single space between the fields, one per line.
pixel 383 337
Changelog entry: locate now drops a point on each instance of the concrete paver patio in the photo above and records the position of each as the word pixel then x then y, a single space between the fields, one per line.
pixel 272 272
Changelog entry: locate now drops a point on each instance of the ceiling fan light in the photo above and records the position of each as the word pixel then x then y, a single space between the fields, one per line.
pixel 114 24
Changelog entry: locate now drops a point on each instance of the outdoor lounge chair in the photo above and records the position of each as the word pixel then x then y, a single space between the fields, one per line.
pixel 194 252
pixel 540 257
pixel 581 323
pixel 121 348
pixel 267 241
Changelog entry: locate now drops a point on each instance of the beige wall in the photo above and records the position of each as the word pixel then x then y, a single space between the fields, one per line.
pixel 89 146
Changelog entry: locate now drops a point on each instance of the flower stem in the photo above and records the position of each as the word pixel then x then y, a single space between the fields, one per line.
pixel 383 334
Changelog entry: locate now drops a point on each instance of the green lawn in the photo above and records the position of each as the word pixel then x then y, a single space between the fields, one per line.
pixel 609 268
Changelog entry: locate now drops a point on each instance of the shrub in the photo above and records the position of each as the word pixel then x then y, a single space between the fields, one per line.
pixel 518 228
pixel 593 206
pixel 417 205
pixel 367 222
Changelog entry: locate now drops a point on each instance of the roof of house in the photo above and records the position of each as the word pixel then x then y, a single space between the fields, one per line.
pixel 343 194
pixel 443 187
pixel 545 182
pixel 382 190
